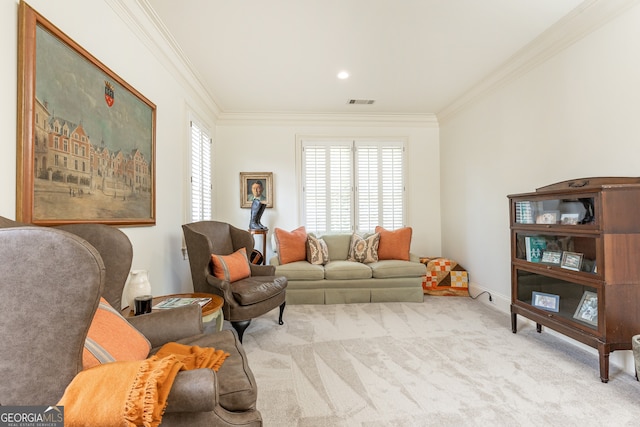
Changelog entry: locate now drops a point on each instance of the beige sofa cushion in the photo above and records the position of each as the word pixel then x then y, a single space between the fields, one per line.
pixel 386 269
pixel 301 270
pixel 346 270
pixel 338 245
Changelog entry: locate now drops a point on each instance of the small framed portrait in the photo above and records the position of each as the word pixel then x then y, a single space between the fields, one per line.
pixel 551 257
pixel 548 217
pixel 571 261
pixel 587 310
pixel 256 186
pixel 569 218
pixel 549 302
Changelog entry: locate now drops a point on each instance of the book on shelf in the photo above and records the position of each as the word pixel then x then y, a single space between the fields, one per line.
pixel 524 212
pixel 179 302
pixel 535 246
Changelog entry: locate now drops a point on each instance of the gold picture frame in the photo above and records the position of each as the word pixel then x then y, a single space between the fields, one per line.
pixel 571 260
pixel 256 185
pixel 85 138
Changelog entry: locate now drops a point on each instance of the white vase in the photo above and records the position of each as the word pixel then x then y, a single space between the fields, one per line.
pixel 138 285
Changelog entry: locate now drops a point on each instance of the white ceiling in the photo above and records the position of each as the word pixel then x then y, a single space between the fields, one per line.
pixel 410 56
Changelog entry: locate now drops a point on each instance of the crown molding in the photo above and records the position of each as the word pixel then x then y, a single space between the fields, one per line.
pixel 583 20
pixel 324 119
pixel 140 17
pixel 149 28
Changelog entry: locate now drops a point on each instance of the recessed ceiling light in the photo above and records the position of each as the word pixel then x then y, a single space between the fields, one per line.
pixel 343 75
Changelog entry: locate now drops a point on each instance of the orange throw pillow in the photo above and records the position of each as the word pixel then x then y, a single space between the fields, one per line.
pixel 292 246
pixel 394 244
pixel 231 267
pixel 112 338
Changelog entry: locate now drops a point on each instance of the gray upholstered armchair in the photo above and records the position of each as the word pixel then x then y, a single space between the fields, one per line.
pixel 244 299
pixel 226 397
pixel 50 285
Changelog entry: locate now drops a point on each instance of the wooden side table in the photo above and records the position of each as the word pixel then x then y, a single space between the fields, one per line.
pixel 211 310
pixel 262 233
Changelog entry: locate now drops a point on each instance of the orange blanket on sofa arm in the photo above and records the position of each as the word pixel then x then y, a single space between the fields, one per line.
pixel 132 393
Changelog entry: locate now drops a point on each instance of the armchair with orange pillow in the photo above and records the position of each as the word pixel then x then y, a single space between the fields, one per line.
pixel 219 265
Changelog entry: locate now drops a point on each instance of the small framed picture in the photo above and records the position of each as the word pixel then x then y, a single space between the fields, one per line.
pixel 256 186
pixel 551 257
pixel 548 217
pixel 549 302
pixel 571 261
pixel 587 310
pixel 569 218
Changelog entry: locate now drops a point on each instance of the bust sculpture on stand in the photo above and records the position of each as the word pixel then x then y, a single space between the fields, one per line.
pixel 257 209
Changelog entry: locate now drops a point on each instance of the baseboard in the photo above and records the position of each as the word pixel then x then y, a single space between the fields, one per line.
pixel 618 360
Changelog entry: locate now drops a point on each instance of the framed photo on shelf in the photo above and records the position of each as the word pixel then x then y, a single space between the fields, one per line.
pixel 256 185
pixel 548 217
pixel 587 310
pixel 571 261
pixel 549 302
pixel 569 218
pixel 551 257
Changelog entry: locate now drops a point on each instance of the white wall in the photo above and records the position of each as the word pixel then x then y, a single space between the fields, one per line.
pixel 253 147
pixel 576 115
pixel 98 26
pixel 8 107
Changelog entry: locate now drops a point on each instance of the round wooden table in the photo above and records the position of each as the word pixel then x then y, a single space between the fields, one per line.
pixel 211 310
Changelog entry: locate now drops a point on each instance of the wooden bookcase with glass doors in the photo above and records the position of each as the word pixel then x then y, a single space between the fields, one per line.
pixel 575 261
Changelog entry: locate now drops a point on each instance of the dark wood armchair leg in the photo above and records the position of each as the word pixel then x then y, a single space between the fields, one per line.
pixel 280 322
pixel 240 327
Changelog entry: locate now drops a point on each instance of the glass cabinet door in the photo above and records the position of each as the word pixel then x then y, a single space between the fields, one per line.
pixel 578 211
pixel 573 253
pixel 557 297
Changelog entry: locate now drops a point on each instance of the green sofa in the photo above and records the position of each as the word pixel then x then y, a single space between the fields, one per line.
pixel 341 281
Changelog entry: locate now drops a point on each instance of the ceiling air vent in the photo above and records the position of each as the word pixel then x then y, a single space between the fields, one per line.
pixel 361 101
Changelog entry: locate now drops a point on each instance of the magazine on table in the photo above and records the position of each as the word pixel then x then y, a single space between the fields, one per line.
pixel 179 302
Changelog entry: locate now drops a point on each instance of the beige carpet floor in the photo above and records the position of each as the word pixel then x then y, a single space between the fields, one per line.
pixel 450 361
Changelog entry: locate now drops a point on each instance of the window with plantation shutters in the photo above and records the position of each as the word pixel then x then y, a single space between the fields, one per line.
pixel 327 186
pixel 200 173
pixel 352 185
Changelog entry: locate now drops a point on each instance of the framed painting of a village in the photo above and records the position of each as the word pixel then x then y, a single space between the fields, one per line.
pixel 86 138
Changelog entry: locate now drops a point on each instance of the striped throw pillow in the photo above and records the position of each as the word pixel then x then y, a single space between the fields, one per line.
pixel 231 267
pixel 111 338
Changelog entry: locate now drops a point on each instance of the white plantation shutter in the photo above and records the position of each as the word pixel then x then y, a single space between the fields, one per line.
pixel 379 185
pixel 315 187
pixel 392 194
pixel 200 173
pixel 368 186
pixel 329 171
pixel 341 189
pixel 327 187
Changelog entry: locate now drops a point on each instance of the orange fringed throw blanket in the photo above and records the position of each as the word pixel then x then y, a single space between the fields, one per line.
pixel 132 393
pixel 194 357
